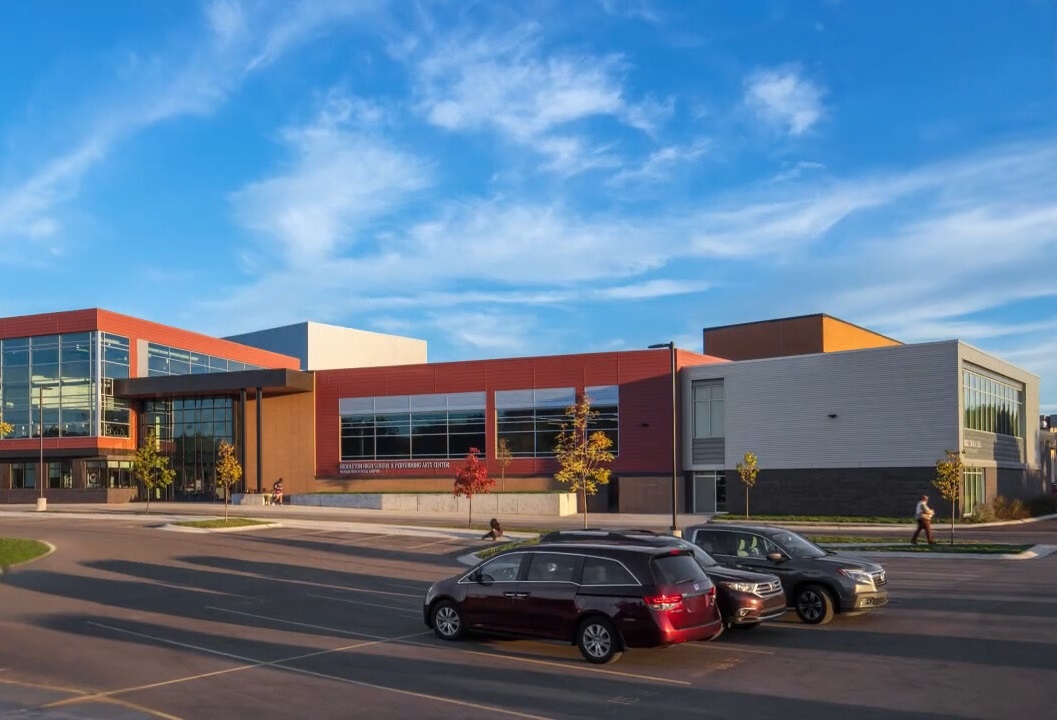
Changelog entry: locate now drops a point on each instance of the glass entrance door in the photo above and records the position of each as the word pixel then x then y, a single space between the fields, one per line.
pixel 709 492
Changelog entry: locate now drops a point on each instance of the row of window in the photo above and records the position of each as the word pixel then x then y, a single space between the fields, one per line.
pixel 992 405
pixel 447 425
pixel 164 360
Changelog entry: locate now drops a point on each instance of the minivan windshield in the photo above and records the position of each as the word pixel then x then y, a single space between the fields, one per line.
pixel 797 546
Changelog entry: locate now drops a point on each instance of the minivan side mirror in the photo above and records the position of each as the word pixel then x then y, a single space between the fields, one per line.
pixel 777 557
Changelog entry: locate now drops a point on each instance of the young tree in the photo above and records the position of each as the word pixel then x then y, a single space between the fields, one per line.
pixel 472 479
pixel 747 471
pixel 582 456
pixel 5 427
pixel 949 473
pixel 229 471
pixel 503 458
pixel 151 468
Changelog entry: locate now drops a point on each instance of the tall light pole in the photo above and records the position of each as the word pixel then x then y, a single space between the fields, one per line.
pixel 41 502
pixel 675 436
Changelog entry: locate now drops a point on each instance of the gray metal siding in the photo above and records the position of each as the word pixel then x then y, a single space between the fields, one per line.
pixel 894 407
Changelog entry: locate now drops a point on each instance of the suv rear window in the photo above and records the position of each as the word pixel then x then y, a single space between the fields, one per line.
pixel 677 569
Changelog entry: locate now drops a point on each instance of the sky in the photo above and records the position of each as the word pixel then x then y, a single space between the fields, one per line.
pixel 508 179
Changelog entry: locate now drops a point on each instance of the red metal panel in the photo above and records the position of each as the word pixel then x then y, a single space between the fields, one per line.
pixel 644 377
pixel 136 329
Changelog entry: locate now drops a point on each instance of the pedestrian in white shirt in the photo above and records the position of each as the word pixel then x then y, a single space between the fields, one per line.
pixel 923 514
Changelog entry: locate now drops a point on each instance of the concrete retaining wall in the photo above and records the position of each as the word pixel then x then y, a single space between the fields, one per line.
pixel 497 504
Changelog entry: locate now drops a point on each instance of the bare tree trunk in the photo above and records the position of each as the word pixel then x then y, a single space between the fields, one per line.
pixel 953 505
pixel 469 518
pixel 746 502
pixel 225 503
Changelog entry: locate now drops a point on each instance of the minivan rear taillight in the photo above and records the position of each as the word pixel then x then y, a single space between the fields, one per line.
pixel 665 602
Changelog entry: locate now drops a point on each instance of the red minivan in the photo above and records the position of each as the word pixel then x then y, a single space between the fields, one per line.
pixel 602 598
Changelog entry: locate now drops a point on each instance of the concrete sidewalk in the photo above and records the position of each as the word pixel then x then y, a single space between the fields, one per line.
pixel 411 521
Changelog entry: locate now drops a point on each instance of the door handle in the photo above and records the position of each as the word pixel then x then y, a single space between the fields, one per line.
pixel 511 594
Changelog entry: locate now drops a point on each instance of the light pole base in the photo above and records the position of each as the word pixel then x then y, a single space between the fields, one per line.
pixel 676 532
pixel 42 504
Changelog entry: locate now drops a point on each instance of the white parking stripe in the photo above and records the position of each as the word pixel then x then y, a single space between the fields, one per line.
pixel 360 602
pixel 280 664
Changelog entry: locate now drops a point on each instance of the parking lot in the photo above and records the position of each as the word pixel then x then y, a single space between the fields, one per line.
pixel 129 621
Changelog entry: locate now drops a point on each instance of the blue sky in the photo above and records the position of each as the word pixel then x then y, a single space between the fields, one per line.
pixel 525 178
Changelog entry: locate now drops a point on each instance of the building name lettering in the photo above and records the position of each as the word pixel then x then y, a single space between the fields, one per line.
pixel 972 444
pixel 374 467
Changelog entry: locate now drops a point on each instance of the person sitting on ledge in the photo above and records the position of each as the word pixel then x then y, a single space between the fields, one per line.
pixel 495 531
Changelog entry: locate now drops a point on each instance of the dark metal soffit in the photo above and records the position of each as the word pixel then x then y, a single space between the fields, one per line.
pixel 271 382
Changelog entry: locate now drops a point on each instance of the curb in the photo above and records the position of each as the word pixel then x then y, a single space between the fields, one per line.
pixel 51 549
pixel 172 527
pixel 1032 553
pixel 881 526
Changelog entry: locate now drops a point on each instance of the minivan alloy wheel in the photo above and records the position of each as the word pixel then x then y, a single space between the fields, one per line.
pixel 447 621
pixel 598 642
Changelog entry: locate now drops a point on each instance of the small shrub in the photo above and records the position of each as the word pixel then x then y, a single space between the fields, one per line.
pixel 1042 505
pixel 1006 509
pixel 982 513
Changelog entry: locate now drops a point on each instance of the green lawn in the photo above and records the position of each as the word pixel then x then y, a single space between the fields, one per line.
pixel 498 547
pixel 983 548
pixel 221 523
pixel 821 519
pixel 19 550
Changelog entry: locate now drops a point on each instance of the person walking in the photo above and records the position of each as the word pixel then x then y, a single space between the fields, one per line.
pixel 923 514
pixel 277 492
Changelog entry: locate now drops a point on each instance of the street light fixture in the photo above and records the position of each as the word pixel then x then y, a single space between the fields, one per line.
pixel 41 502
pixel 675 432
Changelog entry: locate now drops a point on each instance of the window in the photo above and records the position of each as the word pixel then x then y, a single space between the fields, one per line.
pixel 678 569
pixel 404 427
pixel 708 409
pixel 717 542
pixel 530 420
pixel 23 475
pixel 60 475
pixel 553 567
pixel 503 569
pixel 605 400
pixel 973 490
pixel 992 405
pixel 164 360
pixel 602 571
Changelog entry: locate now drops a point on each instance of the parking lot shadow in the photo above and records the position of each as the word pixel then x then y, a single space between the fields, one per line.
pixel 312 678
pixel 359 551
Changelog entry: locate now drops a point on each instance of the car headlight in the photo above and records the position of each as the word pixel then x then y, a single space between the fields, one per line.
pixel 860 577
pixel 745 587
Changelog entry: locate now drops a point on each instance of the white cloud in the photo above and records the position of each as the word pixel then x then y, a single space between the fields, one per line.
pixel 660 164
pixel 342 178
pixel 783 98
pixel 508 86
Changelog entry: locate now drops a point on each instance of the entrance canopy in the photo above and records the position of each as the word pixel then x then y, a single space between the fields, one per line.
pixel 271 383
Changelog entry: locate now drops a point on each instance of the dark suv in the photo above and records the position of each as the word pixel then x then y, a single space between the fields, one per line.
pixel 745 598
pixel 817 582
pixel 602 598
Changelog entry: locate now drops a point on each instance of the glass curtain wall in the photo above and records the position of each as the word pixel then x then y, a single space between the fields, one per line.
pixel 992 405
pixel 58 374
pixel 530 420
pixel 189 432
